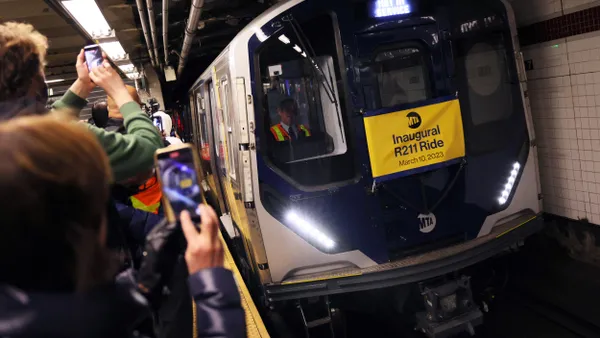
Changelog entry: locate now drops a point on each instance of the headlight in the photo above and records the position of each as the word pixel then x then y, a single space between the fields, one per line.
pixel 308 230
pixel 510 183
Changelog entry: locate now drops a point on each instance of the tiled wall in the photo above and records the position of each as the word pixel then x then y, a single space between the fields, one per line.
pixel 564 90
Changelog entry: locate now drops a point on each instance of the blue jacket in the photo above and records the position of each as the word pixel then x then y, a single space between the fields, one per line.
pixel 115 310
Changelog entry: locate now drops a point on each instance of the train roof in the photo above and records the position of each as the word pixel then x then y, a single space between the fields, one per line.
pixel 246 33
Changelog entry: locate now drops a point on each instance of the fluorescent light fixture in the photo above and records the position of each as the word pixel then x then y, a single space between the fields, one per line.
pixel 307 229
pixel 133 75
pixel 510 183
pixel 114 50
pixel 383 8
pixel 88 15
pixel 55 81
pixel 260 34
pixel 127 68
pixel 284 39
pixel 297 49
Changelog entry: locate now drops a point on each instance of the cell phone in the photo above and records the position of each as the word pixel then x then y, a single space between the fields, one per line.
pixel 177 167
pixel 93 56
pixel 157 120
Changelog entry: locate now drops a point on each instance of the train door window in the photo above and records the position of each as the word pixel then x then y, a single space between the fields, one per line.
pixel 217 119
pixel 302 107
pixel 486 91
pixel 204 144
pixel 229 127
pixel 401 76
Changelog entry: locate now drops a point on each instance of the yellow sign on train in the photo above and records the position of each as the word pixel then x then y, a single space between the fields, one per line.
pixel 415 140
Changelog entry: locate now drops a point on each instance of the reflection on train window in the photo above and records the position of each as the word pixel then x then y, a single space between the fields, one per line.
pixel 228 127
pixel 203 135
pixel 489 87
pixel 401 76
pixel 218 130
pixel 486 86
pixel 302 112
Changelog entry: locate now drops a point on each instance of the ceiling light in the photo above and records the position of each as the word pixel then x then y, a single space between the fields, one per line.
pixel 309 230
pixel 297 49
pixel 303 54
pixel 510 183
pixel 114 50
pixel 284 39
pixel 127 68
pixel 88 15
pixel 55 80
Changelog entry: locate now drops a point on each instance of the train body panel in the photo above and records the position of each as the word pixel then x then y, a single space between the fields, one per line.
pixel 316 208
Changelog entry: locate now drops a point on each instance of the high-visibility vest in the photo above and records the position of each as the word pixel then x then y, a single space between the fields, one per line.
pixel 149 197
pixel 281 135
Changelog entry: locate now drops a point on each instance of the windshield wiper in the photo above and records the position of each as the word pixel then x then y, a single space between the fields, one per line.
pixel 310 53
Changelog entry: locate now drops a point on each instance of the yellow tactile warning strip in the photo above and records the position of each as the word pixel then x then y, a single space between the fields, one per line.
pixel 254 323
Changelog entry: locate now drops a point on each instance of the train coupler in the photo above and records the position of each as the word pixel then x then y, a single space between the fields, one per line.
pixel 449 309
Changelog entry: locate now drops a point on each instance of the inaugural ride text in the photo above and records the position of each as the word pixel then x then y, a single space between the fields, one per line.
pixel 423 136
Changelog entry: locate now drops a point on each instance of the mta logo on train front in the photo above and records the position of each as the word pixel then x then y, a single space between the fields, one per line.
pixel 414 120
pixel 426 222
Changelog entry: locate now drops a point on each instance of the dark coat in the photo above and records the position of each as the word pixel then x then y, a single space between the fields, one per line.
pixel 115 310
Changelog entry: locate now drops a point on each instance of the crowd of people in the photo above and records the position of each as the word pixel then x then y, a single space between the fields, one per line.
pixel 84 248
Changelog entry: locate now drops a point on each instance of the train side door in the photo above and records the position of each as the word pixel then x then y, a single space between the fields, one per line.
pixel 216 151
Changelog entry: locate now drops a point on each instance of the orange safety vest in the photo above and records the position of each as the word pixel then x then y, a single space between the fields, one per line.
pixel 149 197
pixel 281 135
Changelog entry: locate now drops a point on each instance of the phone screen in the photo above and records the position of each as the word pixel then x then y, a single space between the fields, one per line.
pixel 180 181
pixel 93 56
pixel 157 120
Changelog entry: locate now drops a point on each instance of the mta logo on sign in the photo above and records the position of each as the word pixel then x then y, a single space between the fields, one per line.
pixel 414 120
pixel 426 222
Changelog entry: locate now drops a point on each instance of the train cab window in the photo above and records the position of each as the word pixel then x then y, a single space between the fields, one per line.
pixel 401 76
pixel 302 108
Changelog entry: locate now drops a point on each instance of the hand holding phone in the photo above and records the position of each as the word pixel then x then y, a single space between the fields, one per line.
pixel 177 169
pixel 93 56
pixel 204 248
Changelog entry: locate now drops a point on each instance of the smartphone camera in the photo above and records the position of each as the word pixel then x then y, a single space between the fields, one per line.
pixel 93 56
pixel 179 181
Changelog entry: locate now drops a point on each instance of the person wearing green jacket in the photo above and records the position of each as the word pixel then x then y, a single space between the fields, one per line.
pixel 129 154
pixel 23 91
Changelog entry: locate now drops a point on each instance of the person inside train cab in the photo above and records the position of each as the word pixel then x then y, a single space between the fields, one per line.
pixel 288 129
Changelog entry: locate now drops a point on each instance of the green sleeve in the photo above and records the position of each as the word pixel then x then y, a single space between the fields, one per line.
pixel 70 102
pixel 132 153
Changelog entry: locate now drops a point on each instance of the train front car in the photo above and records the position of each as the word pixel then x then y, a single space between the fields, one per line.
pixel 394 143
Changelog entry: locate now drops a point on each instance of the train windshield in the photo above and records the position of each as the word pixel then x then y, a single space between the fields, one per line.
pixel 401 76
pixel 301 103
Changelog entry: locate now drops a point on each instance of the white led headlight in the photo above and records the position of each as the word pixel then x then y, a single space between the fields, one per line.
pixel 308 230
pixel 510 183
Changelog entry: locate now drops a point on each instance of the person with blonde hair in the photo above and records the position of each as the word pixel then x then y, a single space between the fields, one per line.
pixel 56 275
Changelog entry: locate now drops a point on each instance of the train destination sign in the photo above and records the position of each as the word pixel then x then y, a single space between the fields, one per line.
pixel 416 139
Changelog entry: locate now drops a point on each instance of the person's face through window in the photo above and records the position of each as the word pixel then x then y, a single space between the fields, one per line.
pixel 288 114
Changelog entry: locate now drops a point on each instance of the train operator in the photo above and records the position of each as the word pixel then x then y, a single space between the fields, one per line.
pixel 287 129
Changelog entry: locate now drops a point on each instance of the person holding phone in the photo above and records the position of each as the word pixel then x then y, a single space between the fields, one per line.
pixel 57 275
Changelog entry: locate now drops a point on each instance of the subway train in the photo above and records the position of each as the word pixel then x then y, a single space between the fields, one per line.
pixel 350 146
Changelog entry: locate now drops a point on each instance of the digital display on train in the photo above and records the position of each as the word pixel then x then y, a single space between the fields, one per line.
pixel 383 8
